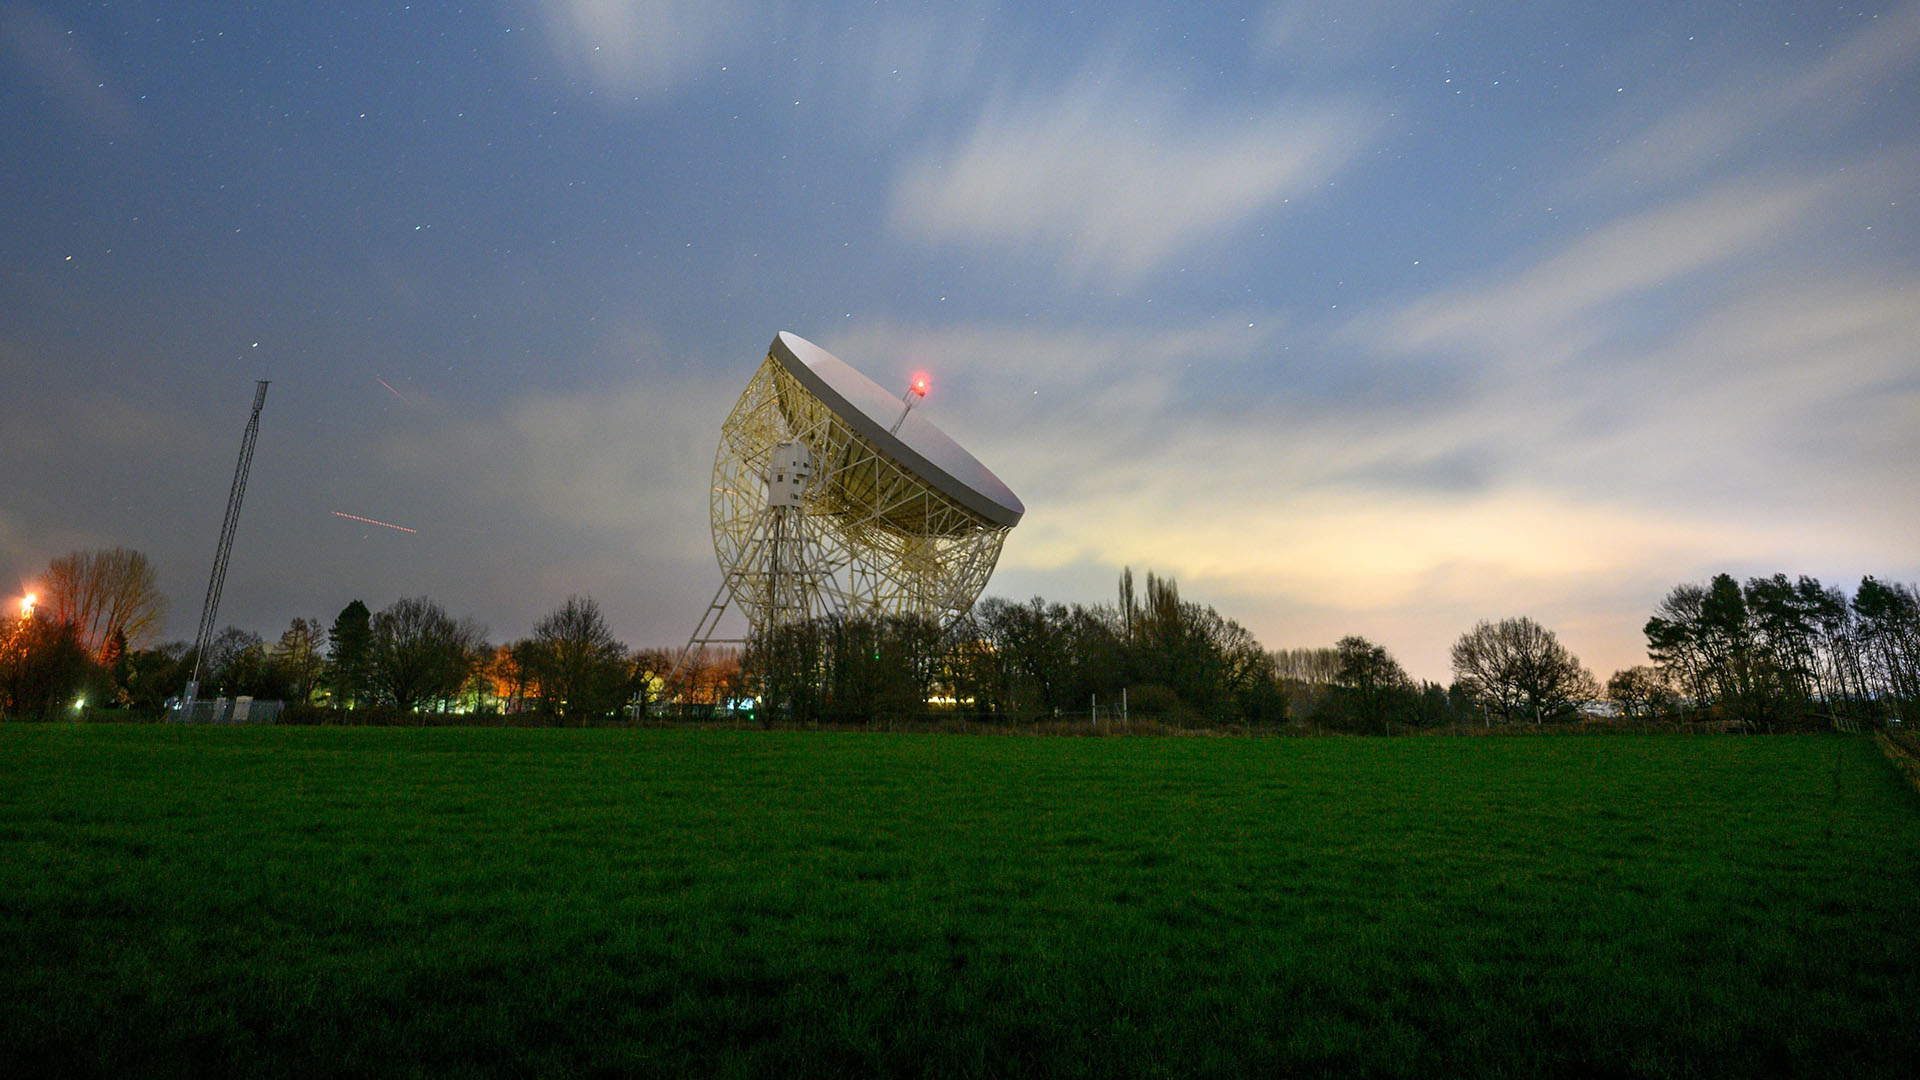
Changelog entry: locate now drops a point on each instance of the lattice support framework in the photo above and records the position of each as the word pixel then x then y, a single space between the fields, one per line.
pixel 869 537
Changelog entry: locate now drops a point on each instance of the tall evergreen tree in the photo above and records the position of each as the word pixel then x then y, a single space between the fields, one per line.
pixel 350 654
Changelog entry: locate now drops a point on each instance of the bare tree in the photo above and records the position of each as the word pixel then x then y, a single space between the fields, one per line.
pixel 1642 692
pixel 1315 667
pixel 706 678
pixel 579 665
pixel 1519 670
pixel 649 683
pixel 421 656
pixel 1371 683
pixel 236 664
pixel 299 658
pixel 111 598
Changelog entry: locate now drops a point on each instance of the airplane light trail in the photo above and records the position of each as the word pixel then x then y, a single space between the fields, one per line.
pixel 396 393
pixel 370 521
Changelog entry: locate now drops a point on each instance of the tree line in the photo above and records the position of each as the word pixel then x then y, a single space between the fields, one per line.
pixel 1778 652
pixel 1150 655
pixel 83 638
pixel 414 657
pixel 1772 654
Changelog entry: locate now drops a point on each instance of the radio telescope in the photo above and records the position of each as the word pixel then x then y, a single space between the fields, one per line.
pixel 832 496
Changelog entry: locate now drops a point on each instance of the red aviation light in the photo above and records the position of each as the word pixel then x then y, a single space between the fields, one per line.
pixel 916 389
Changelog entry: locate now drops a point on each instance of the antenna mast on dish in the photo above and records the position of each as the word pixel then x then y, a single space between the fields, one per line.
pixel 211 607
pixel 916 390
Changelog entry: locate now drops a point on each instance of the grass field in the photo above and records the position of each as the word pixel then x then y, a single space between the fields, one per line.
pixel 422 901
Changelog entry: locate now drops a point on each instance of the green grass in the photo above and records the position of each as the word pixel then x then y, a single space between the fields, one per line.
pixel 185 901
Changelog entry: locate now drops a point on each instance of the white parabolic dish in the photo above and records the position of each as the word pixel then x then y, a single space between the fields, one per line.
pixel 831 499
pixel 919 445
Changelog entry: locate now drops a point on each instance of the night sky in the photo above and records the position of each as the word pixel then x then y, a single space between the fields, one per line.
pixel 1360 318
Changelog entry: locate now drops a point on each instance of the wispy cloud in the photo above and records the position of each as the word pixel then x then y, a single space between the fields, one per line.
pixel 1096 430
pixel 1767 107
pixel 1575 492
pixel 1318 36
pixel 54 58
pixel 612 463
pixel 641 47
pixel 886 64
pixel 1853 76
pixel 1111 177
pixel 1544 310
pixel 1806 391
pixel 1717 392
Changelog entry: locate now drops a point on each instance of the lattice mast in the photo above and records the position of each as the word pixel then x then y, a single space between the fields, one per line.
pixel 210 608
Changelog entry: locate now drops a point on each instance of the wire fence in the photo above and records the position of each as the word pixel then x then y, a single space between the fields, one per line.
pixel 239 710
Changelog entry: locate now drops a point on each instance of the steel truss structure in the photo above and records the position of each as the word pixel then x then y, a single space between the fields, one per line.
pixel 210 608
pixel 810 519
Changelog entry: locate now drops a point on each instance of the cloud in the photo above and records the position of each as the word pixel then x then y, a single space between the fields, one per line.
pixel 1758 432
pixel 24 552
pixel 113 428
pixel 613 463
pixel 642 47
pixel 522 501
pixel 1097 431
pixel 887 64
pixel 1548 303
pixel 104 472
pixel 1756 108
pixel 876 68
pixel 1700 344
pixel 1318 36
pixel 1065 405
pixel 1691 388
pixel 1802 392
pixel 1854 73
pixel 54 58
pixel 1111 178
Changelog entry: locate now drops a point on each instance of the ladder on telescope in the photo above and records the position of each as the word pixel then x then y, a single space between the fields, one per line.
pixel 703 633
